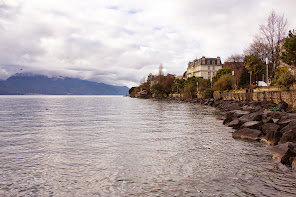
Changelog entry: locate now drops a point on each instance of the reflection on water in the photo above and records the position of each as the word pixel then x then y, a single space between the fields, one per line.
pixel 118 146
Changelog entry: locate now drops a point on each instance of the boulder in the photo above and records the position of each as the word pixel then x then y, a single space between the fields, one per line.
pixel 245 118
pixel 276 114
pixel 268 104
pixel 239 113
pixel 231 107
pixel 282 105
pixel 257 116
pixel 216 103
pixel 252 125
pixel 270 127
pixel 289 133
pixel 235 124
pixel 246 133
pixel 284 122
pixel 272 135
pixel 227 120
pixel 285 153
pixel 268 120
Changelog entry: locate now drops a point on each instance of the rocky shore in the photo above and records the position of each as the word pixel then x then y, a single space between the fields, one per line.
pixel 260 121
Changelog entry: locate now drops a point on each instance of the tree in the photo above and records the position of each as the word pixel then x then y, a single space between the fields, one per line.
pixel 267 42
pixel 178 85
pixel 286 80
pixel 167 83
pixel 272 33
pixel 254 65
pixel 225 82
pixel 190 87
pixel 157 90
pixel 289 53
pixel 235 58
pixel 244 79
pixel 221 72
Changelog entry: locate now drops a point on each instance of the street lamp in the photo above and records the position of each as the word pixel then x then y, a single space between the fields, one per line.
pixel 267 62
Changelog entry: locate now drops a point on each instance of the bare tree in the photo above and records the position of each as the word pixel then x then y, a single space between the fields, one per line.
pixel 235 58
pixel 273 33
pixel 267 42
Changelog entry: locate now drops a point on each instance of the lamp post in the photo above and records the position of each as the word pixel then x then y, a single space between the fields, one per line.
pixel 267 62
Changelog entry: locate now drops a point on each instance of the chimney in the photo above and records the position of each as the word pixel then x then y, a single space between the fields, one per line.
pixel 203 60
pixel 218 60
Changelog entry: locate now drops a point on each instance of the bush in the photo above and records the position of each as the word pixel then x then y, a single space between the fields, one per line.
pixel 208 93
pixel 225 82
pixel 285 80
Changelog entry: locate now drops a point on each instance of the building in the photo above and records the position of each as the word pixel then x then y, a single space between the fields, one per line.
pixel 204 67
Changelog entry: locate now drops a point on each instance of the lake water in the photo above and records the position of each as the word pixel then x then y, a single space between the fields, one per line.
pixel 119 146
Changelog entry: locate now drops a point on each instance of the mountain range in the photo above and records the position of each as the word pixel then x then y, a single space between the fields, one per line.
pixel 27 83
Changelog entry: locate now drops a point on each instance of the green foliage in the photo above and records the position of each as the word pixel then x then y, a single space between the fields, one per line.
pixel 158 91
pixel 289 54
pixel 203 84
pixel 167 83
pixel 178 86
pixel 285 80
pixel 276 109
pixel 190 87
pixel 131 90
pixel 244 79
pixel 254 64
pixel 225 82
pixel 164 85
pixel 221 72
pixel 278 72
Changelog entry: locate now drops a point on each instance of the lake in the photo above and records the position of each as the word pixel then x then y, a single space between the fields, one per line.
pixel 120 146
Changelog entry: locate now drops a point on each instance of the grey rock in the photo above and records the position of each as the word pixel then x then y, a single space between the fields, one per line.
pixel 235 124
pixel 252 125
pixel 246 133
pixel 267 120
pixel 283 105
pixel 285 153
pixel 289 133
pixel 272 134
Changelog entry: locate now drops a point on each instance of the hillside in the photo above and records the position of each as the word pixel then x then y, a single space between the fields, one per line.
pixel 40 84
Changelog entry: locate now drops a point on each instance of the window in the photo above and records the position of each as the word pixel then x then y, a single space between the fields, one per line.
pixel 213 62
pixel 209 62
pixel 209 68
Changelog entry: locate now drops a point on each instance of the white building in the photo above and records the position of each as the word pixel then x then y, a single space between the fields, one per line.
pixel 204 67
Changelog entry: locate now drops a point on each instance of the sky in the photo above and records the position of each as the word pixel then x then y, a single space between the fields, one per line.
pixel 121 42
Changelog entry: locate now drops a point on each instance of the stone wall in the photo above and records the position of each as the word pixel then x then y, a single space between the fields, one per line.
pixel 275 95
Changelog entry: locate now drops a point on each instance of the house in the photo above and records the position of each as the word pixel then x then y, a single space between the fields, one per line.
pixel 204 67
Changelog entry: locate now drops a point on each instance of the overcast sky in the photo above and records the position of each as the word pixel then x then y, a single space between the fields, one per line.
pixel 120 42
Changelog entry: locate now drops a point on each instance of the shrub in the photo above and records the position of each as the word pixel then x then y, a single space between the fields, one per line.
pixel 208 93
pixel 225 82
pixel 285 80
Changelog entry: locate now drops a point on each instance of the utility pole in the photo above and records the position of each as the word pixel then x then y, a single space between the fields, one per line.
pixel 267 62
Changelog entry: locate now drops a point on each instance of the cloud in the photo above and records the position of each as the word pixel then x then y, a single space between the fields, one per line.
pixel 120 42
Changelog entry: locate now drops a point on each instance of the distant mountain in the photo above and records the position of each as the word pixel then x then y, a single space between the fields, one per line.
pixel 40 84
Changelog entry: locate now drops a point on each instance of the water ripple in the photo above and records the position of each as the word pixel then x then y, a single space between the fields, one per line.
pixel 117 146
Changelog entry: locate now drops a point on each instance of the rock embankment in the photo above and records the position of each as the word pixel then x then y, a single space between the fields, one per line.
pixel 261 121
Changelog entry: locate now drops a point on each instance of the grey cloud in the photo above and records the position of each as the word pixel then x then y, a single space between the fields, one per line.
pixel 103 42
